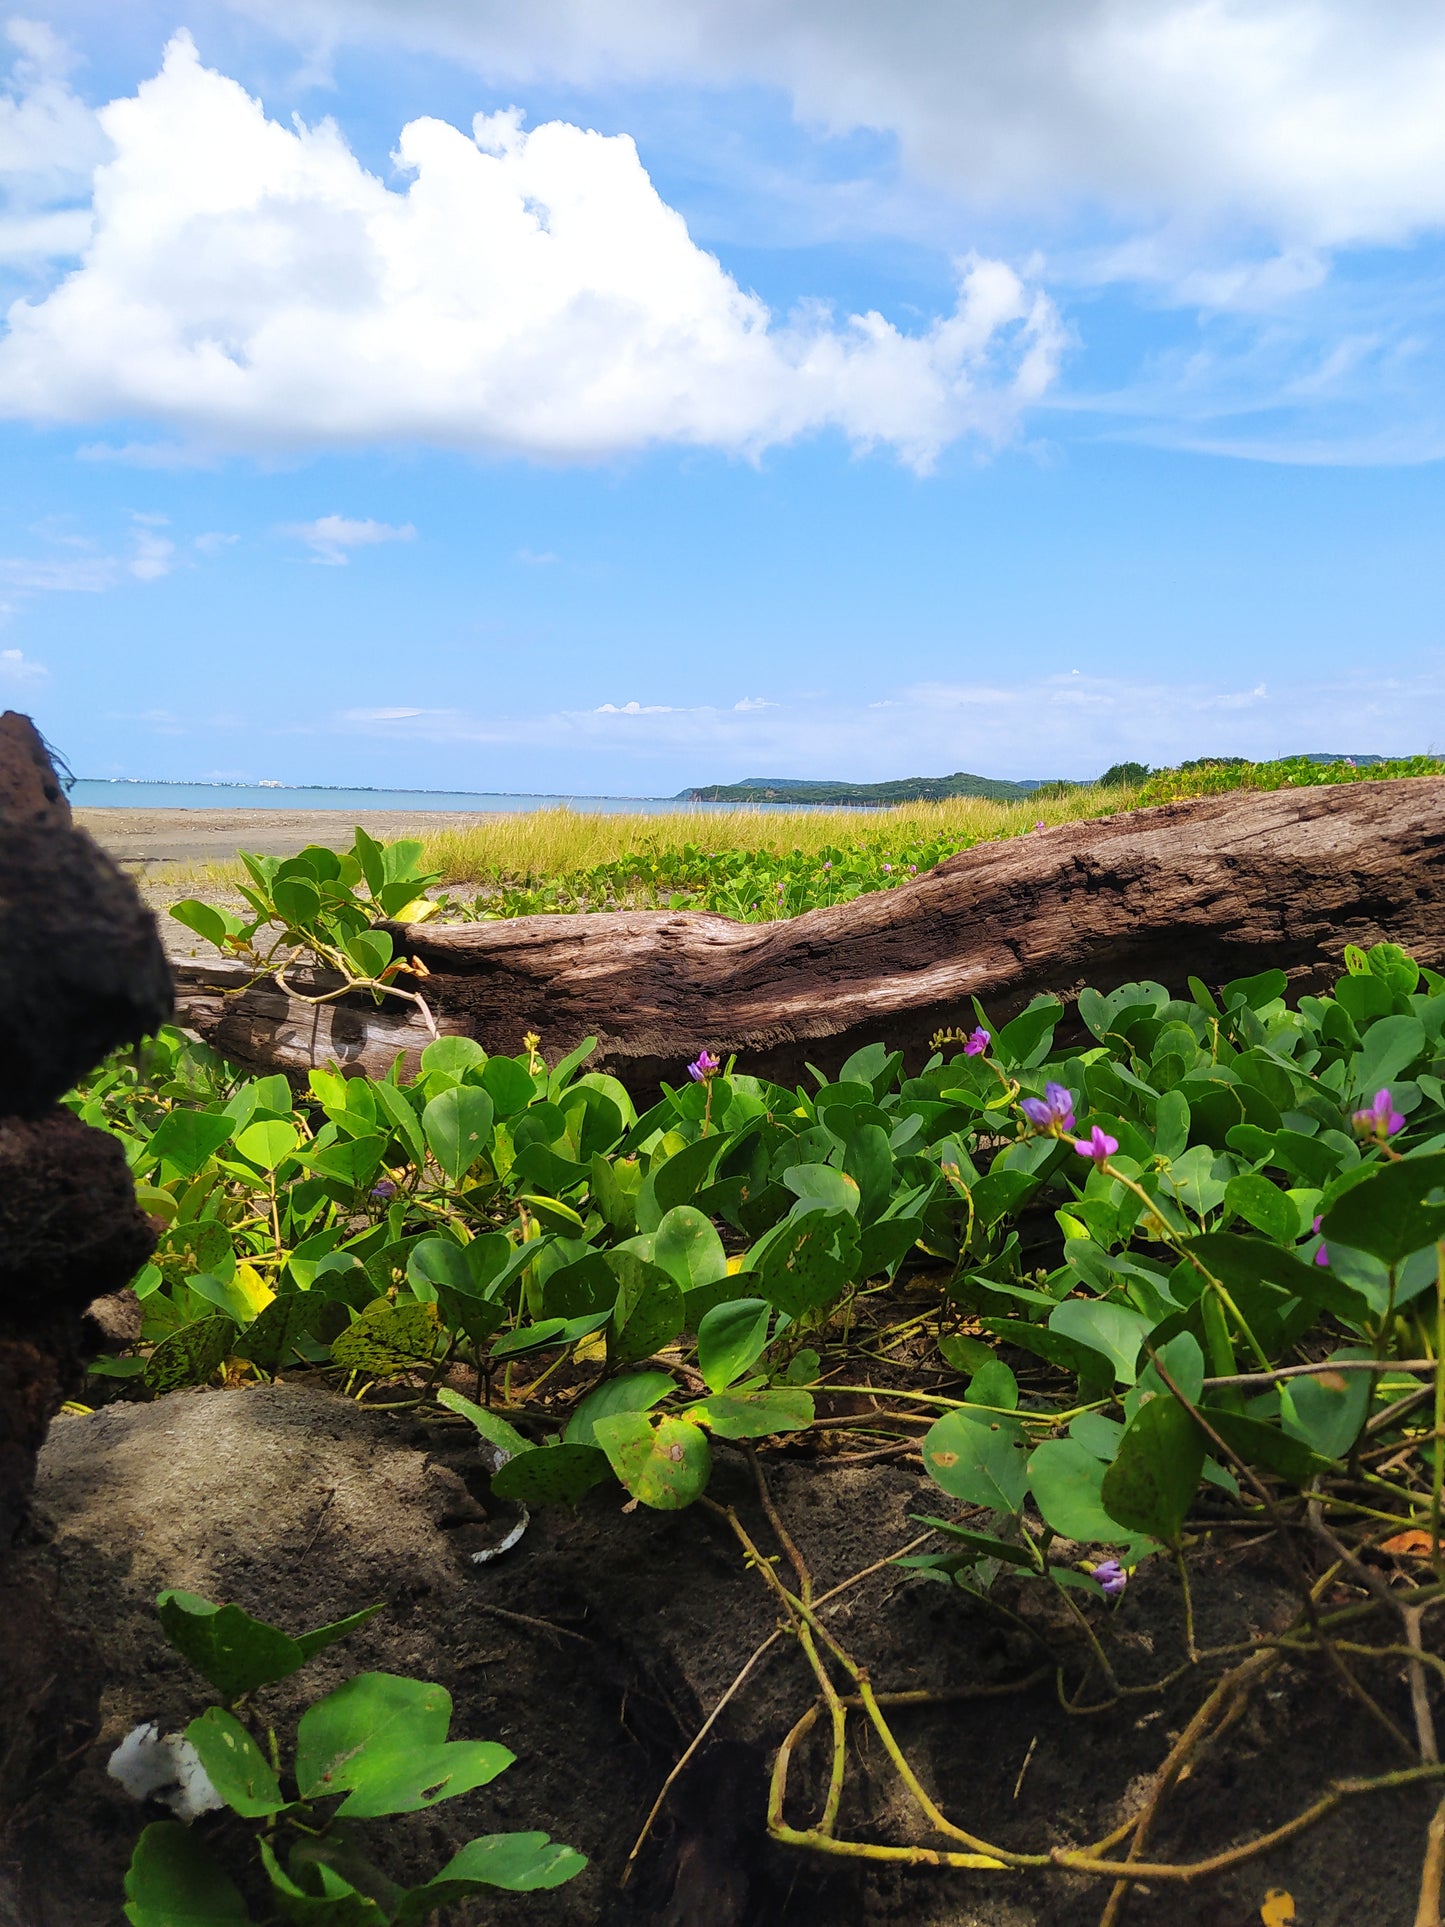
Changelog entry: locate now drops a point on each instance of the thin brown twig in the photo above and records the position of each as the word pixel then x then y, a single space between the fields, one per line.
pixel 305 1552
pixel 1322 1367
pixel 1427 1910
pixel 538 1625
pixel 1419 1688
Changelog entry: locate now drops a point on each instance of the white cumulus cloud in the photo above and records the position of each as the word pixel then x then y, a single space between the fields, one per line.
pixel 253 285
pixel 331 537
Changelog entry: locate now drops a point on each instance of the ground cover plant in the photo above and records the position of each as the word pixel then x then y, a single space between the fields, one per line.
pixel 1137 1279
pixel 376 1746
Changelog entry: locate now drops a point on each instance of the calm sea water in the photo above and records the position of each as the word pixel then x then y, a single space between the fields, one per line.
pixel 89 793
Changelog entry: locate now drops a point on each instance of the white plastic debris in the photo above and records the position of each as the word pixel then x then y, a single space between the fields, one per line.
pixel 504 1545
pixel 151 1765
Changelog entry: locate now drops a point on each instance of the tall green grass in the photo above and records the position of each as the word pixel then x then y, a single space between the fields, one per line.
pixel 551 843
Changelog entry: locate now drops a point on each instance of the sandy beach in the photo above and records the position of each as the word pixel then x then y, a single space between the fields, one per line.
pixel 214 836
pixel 161 849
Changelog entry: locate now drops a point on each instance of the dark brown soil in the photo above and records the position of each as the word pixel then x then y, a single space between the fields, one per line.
pixel 594 1650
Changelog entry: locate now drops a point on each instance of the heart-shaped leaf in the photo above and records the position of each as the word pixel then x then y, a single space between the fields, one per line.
pixel 551 1475
pixel 520 1863
pixel 388 1338
pixel 268 1143
pixel 755 1415
pixel 185 1140
pixel 458 1126
pixel 235 1652
pixel 1149 1486
pixel 382 1741
pixel 978 1460
pixel 688 1249
pixel 172 1881
pixel 632 1392
pixel 648 1312
pixel 1066 1482
pixel 730 1340
pixel 235 1765
pixel 665 1462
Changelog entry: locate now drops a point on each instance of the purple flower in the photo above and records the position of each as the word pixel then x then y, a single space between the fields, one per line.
pixel 887 869
pixel 383 1189
pixel 1098 1145
pixel 827 866
pixel 1039 825
pixel 1322 1256
pixel 978 1042
pixel 706 1066
pixel 1053 1112
pixel 1112 1577
pixel 1379 1120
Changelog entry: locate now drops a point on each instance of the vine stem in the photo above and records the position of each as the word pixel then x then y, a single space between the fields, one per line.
pixel 846 1585
pixel 1230 1693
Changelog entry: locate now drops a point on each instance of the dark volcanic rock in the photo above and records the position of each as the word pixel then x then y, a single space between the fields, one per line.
pixel 82 969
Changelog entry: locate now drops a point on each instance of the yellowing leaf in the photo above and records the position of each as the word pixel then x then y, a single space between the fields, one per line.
pixel 1278 1908
pixel 252 1287
pixel 417 911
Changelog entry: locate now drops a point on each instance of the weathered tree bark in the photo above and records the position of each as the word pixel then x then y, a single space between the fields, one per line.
pixel 82 971
pixel 1218 887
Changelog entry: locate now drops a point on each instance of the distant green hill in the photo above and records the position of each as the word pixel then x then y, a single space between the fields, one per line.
pixel 907 789
pixel 934 789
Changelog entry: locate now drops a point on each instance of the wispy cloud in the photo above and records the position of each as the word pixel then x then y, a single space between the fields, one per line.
pixel 83 568
pixel 1064 725
pixel 45 575
pixel 331 538
pixel 155 553
pixel 395 715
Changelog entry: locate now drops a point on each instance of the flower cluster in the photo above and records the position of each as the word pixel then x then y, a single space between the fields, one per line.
pixel 1111 1576
pixel 1098 1145
pixel 1053 1112
pixel 978 1042
pixel 1379 1120
pixel 704 1066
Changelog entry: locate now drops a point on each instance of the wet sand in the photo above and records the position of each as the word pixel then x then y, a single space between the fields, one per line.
pixel 212 836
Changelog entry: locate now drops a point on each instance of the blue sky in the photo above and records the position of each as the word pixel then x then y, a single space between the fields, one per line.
pixel 785 387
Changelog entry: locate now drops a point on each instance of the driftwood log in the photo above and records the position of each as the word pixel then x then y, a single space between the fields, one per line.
pixel 1218 888
pixel 81 972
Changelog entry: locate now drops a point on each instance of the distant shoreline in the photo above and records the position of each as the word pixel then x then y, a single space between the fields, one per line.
pixel 338 789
